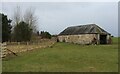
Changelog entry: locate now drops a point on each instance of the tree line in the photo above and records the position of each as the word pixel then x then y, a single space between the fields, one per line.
pixel 20 28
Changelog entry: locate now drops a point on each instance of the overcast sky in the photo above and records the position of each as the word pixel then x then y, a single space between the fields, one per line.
pixel 54 17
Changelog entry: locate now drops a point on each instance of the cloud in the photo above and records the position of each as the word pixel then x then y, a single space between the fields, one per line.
pixel 56 16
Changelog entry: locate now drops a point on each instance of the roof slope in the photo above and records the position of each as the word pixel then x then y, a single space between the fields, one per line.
pixel 83 29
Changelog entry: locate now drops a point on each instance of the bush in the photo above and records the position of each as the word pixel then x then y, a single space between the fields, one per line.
pixel 45 35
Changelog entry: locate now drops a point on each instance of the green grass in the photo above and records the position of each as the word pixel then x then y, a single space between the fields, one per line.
pixel 115 40
pixel 66 57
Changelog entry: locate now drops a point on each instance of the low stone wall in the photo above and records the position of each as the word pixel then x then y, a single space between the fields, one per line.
pixel 79 39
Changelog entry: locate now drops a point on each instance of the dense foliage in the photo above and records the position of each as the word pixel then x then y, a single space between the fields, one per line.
pixel 22 32
pixel 45 35
pixel 6 28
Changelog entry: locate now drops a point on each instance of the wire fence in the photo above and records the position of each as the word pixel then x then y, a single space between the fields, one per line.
pixel 16 47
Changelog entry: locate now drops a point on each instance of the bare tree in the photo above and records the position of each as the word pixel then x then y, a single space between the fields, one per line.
pixel 17 15
pixel 16 18
pixel 30 18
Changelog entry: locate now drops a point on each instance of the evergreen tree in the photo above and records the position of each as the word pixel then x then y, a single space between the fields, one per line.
pixel 6 28
pixel 22 32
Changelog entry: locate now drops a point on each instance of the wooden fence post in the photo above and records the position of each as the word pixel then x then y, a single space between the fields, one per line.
pixel 18 43
pixel 4 52
pixel 27 43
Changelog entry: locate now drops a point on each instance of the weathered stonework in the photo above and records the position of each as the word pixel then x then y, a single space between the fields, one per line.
pixel 80 39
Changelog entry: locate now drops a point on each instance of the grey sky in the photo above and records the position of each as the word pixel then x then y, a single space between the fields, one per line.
pixel 56 16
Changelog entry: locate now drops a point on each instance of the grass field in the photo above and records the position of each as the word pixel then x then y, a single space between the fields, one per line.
pixel 66 57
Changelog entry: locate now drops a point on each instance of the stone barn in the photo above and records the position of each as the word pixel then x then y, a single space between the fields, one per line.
pixel 85 34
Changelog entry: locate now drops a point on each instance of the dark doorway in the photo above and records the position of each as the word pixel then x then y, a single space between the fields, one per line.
pixel 103 39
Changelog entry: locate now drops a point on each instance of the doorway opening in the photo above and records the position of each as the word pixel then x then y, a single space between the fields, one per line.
pixel 103 39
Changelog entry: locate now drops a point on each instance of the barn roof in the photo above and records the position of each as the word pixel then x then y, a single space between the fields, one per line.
pixel 84 29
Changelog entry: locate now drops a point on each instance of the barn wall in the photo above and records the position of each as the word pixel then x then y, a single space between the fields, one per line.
pixel 80 39
pixel 98 38
pixel 108 37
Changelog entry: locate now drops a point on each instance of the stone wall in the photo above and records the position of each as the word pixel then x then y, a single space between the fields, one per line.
pixel 108 39
pixel 79 39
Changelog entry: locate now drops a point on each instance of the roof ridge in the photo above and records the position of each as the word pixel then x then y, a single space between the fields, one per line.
pixel 83 29
pixel 82 25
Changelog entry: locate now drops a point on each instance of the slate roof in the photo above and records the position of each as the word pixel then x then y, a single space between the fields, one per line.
pixel 84 29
